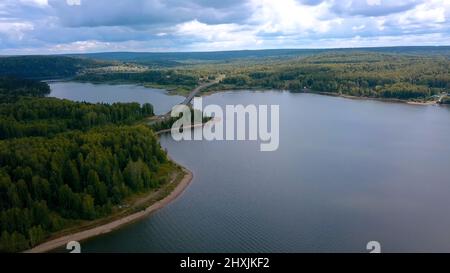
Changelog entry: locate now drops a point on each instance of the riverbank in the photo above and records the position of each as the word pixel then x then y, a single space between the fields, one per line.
pixel 393 100
pixel 171 90
pixel 137 208
pixel 171 191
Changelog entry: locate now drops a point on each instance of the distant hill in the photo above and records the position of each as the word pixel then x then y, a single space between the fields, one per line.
pixel 45 67
pixel 143 57
pixel 64 66
pixel 174 58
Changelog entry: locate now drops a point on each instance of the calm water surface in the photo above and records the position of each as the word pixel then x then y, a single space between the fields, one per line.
pixel 347 172
pixel 94 93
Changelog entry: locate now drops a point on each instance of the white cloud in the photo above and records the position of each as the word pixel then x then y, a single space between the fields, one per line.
pixel 358 28
pixel 379 41
pixel 35 2
pixel 380 24
pixel 73 2
pixel 430 12
pixel 80 46
pixel 218 37
pixel 181 25
pixel 15 30
pixel 292 17
pixel 373 2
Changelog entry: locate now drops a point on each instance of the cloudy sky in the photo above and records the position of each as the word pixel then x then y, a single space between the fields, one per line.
pixel 66 26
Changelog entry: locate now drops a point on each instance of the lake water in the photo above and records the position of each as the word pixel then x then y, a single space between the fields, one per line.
pixel 94 93
pixel 347 172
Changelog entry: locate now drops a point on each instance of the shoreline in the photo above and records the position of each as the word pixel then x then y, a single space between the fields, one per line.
pixel 392 100
pixel 116 224
pixel 389 100
pixel 171 91
pixel 112 225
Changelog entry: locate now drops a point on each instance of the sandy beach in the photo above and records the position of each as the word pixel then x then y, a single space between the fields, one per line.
pixel 89 233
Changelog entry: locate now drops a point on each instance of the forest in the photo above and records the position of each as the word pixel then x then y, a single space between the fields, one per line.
pixel 12 88
pixel 46 67
pixel 161 77
pixel 63 162
pixel 358 74
pixel 188 58
pixel 405 73
pixel 416 74
pixel 49 116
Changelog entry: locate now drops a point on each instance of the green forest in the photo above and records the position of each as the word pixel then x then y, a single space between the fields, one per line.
pixel 404 73
pixel 363 73
pixel 63 162
pixel 357 74
pixel 12 88
pixel 49 116
pixel 166 78
pixel 46 67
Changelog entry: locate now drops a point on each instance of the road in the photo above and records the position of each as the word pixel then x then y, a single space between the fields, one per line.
pixel 188 99
pixel 199 88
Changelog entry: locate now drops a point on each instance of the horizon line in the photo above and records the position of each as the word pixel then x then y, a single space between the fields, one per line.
pixel 220 51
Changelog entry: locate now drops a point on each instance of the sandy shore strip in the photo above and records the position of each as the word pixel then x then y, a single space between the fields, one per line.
pixel 83 235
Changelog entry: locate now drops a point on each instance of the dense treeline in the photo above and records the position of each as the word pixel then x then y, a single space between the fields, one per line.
pixel 228 56
pixel 47 183
pixel 402 73
pixel 370 73
pixel 48 116
pixel 12 88
pixel 46 67
pixel 22 115
pixel 62 162
pixel 357 74
pixel 160 77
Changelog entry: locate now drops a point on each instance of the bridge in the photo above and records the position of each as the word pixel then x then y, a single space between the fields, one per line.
pixel 442 96
pixel 199 88
pixel 188 99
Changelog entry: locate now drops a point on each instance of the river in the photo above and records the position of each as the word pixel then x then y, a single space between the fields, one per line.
pixel 106 93
pixel 346 172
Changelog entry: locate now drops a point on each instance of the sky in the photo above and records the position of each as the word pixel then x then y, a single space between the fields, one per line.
pixel 78 26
